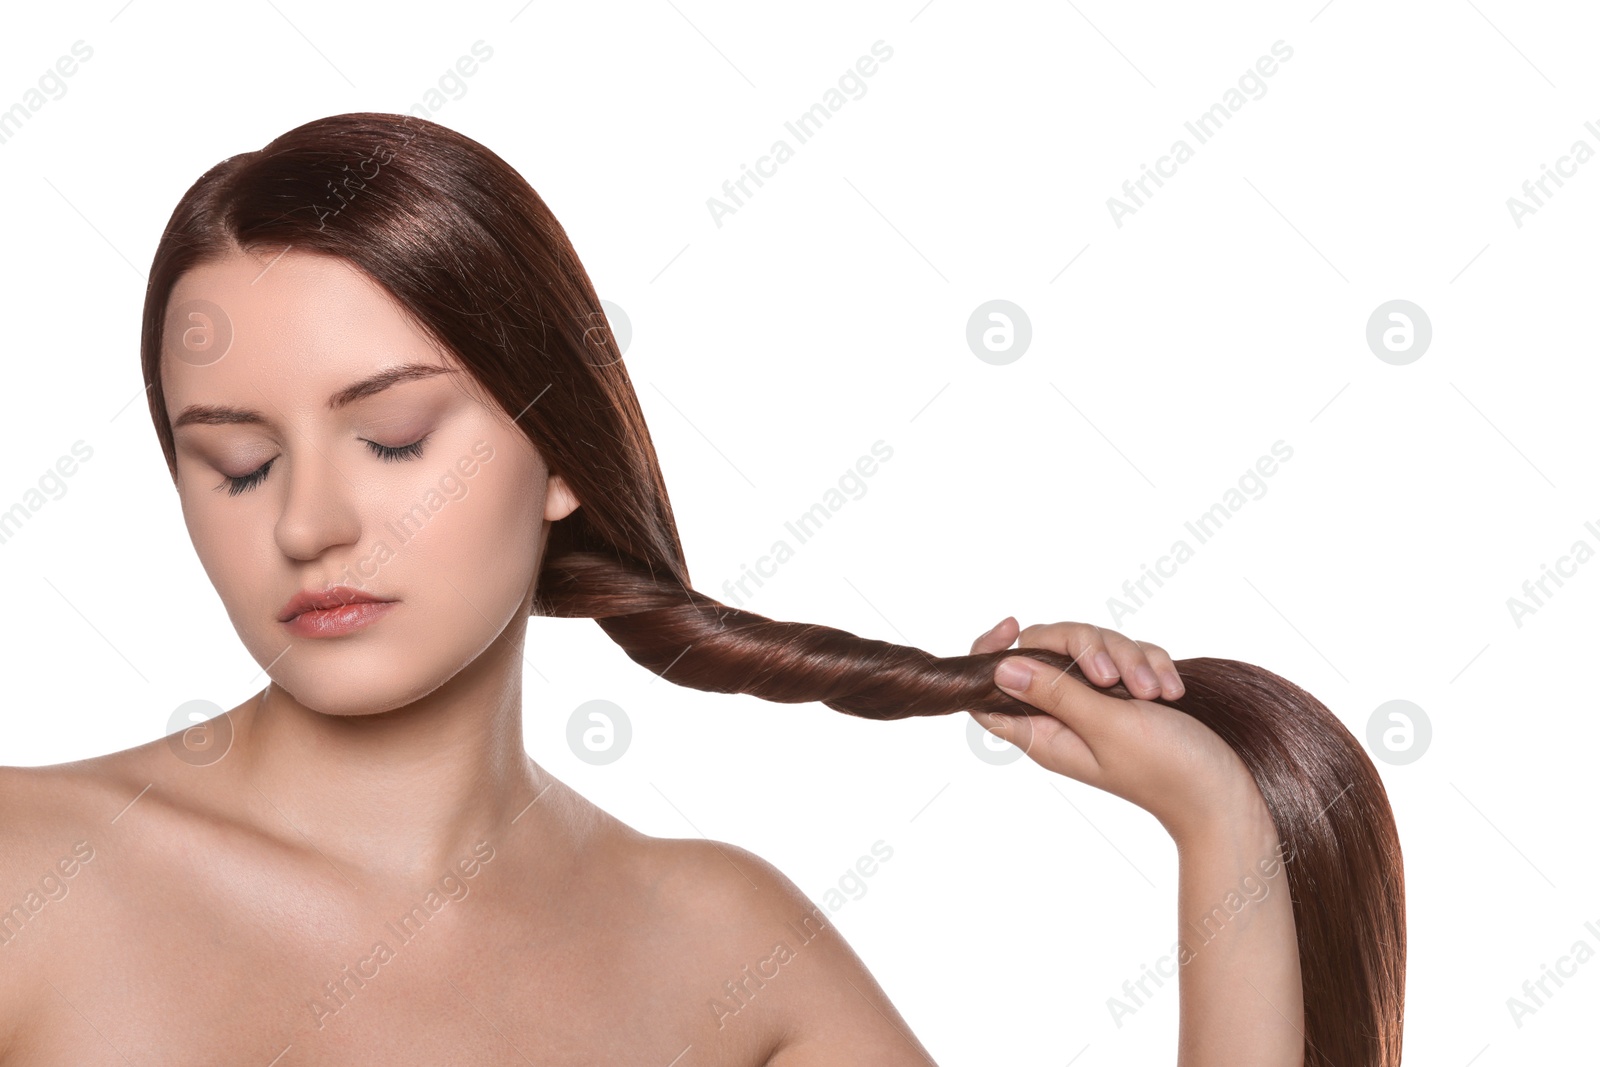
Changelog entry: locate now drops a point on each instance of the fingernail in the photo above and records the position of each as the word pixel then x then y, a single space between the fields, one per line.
pixel 1146 677
pixel 1013 674
pixel 1103 665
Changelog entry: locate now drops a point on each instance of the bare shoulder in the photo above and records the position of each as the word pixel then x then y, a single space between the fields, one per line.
pixel 771 959
pixel 45 811
pixel 39 806
pixel 54 818
pixel 54 821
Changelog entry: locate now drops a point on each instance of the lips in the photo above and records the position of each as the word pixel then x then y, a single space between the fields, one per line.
pixel 335 596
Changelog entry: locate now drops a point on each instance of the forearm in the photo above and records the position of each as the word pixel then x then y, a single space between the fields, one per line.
pixel 1239 978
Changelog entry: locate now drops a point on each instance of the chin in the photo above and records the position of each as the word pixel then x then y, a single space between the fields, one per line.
pixel 339 699
pixel 351 682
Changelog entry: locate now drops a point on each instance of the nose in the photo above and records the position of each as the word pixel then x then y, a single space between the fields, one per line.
pixel 319 506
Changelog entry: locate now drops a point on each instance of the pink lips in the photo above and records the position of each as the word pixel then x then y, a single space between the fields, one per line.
pixel 332 612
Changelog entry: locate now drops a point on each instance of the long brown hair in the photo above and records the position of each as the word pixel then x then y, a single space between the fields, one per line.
pixel 464 243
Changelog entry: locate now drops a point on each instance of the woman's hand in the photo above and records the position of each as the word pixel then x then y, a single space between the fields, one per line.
pixel 1155 756
pixel 1181 772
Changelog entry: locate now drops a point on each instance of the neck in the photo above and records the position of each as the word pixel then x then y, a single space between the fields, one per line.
pixel 398 793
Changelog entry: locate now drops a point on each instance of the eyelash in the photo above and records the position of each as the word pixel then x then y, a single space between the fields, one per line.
pixel 235 486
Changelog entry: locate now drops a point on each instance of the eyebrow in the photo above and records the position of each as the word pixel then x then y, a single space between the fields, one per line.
pixel 218 415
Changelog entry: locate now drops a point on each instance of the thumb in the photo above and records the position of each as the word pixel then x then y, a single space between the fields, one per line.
pixel 1098 719
pixel 1018 727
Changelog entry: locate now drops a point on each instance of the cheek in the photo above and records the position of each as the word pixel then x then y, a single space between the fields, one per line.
pixel 509 516
pixel 241 563
pixel 487 529
pixel 225 543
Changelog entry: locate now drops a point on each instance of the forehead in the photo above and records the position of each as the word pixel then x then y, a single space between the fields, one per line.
pixel 291 318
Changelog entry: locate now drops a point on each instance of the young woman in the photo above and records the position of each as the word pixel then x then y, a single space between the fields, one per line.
pixel 397 428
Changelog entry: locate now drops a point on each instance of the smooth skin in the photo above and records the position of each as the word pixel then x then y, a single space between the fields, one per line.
pixel 1240 997
pixel 195 933
pixel 377 794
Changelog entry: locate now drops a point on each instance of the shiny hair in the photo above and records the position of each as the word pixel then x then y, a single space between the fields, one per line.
pixel 466 246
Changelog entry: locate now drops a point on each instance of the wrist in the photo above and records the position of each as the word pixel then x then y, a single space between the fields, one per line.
pixel 1238 822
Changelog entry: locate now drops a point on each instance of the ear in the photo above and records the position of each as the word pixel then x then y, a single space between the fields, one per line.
pixel 559 499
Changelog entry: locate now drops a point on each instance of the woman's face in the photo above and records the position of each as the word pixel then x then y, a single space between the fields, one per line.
pixel 301 467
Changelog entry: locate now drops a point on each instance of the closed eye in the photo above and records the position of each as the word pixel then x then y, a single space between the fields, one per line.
pixel 411 451
pixel 247 482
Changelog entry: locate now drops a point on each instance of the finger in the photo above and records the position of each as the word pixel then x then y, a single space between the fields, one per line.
pixel 1018 729
pixel 1101 721
pixel 998 638
pixel 1166 670
pixel 1137 674
pixel 1083 641
pixel 1109 655
pixel 1045 740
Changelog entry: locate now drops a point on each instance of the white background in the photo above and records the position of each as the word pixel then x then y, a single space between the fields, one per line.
pixel 828 312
